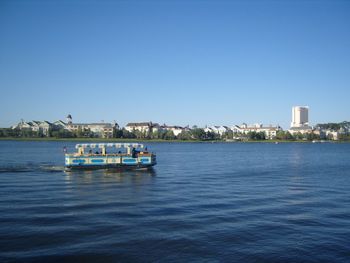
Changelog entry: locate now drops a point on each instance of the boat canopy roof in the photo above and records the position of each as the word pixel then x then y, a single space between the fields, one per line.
pixel 104 145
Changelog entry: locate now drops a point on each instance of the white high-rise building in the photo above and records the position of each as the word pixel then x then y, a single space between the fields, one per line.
pixel 300 116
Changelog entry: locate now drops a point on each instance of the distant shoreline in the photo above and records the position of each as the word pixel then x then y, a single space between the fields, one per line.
pixel 156 140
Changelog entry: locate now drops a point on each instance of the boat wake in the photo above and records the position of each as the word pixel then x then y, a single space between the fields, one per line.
pixel 25 168
pixel 15 169
pixel 52 168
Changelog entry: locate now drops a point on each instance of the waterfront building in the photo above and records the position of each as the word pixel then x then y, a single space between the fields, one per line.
pixel 300 116
pixel 42 127
pixel 60 125
pixel 175 129
pixel 236 129
pixel 328 134
pixel 269 131
pixel 23 125
pixel 300 130
pixel 300 120
pixel 333 131
pixel 217 129
pixel 69 119
pixel 101 129
pixel 142 126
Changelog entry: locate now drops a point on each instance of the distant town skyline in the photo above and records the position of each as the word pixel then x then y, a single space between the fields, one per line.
pixel 299 130
pixel 300 121
pixel 179 63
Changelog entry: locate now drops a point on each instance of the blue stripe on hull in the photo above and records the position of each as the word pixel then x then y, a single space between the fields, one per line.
pixel 108 166
pixel 97 161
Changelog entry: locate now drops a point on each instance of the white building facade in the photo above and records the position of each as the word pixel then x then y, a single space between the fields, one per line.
pixel 103 130
pixel 300 116
pixel 217 129
pixel 175 129
pixel 43 127
pixel 300 120
pixel 142 126
pixel 269 131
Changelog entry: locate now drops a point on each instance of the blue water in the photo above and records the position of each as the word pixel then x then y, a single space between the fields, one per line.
pixel 203 202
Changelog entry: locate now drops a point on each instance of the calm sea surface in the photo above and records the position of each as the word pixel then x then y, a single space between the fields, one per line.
pixel 203 202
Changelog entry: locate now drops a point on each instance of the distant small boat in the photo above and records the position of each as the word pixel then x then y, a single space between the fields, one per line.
pixel 127 156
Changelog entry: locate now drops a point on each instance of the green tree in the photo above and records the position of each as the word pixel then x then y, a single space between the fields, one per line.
pixel 211 136
pixel 169 135
pixel 184 135
pixel 253 135
pixel 228 135
pixel 154 134
pixel 299 136
pixel 79 133
pixel 161 134
pixel 311 136
pixel 198 134
pixel 118 133
pixel 344 137
pixel 137 133
pixel 284 135
pixel 127 134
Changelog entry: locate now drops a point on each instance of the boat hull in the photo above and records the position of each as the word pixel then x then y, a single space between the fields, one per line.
pixel 117 167
pixel 94 162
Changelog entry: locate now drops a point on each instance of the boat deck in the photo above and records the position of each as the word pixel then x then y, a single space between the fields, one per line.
pixel 101 159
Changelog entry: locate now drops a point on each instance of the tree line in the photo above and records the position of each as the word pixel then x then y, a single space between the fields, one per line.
pixel 334 126
pixel 196 133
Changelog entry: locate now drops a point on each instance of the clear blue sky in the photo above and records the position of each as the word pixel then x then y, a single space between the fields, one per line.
pixel 174 62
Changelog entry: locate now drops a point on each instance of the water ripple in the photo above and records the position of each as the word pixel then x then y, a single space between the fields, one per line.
pixel 202 203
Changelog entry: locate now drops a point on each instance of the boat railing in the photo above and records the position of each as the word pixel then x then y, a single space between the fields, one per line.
pixel 131 150
pixel 107 145
pixel 145 154
pixel 112 154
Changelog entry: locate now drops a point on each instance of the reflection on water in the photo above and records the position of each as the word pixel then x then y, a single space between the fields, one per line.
pixel 296 157
pixel 109 176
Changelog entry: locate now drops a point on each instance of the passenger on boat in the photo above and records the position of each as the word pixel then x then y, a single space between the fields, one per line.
pixel 134 153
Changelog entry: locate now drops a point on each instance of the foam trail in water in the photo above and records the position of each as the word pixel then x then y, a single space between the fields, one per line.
pixel 15 169
pixel 22 168
pixel 52 168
